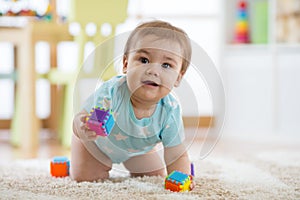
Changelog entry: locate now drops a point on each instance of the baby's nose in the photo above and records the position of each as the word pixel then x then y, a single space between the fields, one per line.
pixel 154 70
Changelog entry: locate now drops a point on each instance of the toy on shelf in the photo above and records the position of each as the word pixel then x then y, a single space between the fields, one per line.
pixel 241 34
pixel 101 121
pixel 59 166
pixel 30 8
pixel 178 182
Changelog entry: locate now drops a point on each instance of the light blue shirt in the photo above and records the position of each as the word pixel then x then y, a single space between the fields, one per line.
pixel 131 136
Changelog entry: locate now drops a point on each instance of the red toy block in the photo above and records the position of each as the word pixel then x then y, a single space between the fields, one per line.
pixel 59 167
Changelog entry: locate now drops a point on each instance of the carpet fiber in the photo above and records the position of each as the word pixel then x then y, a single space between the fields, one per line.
pixel 266 174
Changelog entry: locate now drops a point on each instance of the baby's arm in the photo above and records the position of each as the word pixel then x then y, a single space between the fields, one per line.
pixel 176 158
pixel 79 127
pixel 86 166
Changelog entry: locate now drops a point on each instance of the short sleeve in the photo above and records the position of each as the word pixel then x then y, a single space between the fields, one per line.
pixel 173 130
pixel 102 97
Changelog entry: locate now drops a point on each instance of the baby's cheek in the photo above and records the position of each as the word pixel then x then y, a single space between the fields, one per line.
pixel 169 79
pixel 133 77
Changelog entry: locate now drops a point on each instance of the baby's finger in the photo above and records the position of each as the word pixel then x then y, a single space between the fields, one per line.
pixel 83 118
pixel 79 127
pixel 83 126
pixel 91 135
pixel 192 185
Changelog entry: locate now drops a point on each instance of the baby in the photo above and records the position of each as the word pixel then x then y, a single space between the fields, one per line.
pixel 156 57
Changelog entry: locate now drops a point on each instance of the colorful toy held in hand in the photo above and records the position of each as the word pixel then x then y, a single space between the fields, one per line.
pixel 178 182
pixel 101 121
pixel 59 166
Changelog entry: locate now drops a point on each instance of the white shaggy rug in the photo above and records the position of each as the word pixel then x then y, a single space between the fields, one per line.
pixel 228 173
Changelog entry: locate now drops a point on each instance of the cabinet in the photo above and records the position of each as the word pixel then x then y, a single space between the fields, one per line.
pixel 262 77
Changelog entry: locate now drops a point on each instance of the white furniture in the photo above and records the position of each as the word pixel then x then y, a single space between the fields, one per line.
pixel 25 124
pixel 262 81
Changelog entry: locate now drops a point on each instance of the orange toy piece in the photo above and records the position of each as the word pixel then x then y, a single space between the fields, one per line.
pixel 59 166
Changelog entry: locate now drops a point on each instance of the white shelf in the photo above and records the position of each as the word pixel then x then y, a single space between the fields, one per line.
pixel 273 23
pixel 242 47
pixel 258 48
pixel 288 47
pixel 260 79
pixel 17 22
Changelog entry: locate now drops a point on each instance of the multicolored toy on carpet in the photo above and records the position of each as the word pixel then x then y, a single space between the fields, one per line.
pixel 59 166
pixel 178 182
pixel 101 121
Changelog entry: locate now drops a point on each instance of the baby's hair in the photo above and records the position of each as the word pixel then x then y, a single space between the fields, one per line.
pixel 163 30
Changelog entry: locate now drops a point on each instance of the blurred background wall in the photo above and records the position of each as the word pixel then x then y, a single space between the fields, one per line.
pixel 255 46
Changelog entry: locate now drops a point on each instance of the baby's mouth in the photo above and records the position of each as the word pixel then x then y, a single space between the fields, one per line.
pixel 152 83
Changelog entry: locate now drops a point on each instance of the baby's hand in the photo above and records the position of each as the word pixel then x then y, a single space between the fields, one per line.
pixel 81 130
pixel 193 183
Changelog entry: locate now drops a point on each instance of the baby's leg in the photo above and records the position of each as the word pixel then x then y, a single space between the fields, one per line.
pixel 150 164
pixel 84 166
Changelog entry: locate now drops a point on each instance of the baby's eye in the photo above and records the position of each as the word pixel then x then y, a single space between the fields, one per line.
pixel 166 65
pixel 144 60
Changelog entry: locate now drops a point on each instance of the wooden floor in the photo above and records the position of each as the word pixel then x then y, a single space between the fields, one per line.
pixel 49 147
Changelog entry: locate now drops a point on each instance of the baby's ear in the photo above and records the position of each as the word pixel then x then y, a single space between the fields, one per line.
pixel 179 78
pixel 125 63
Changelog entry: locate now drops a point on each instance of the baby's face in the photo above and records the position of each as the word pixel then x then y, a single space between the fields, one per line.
pixel 153 68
